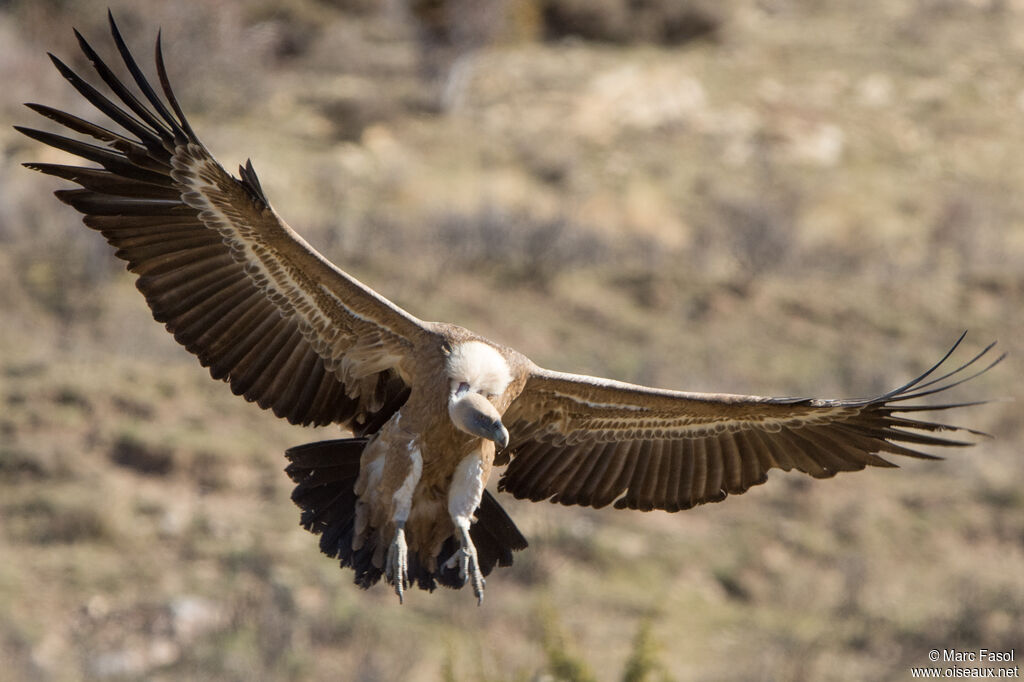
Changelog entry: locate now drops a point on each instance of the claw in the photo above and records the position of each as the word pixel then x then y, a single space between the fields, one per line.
pixel 469 566
pixel 397 568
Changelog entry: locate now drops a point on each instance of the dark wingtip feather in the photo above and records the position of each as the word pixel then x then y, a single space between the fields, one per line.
pixel 142 83
pixel 945 387
pixel 914 382
pixel 63 68
pixel 101 102
pixel 165 84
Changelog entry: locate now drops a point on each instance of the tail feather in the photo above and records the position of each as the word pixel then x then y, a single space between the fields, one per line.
pixel 325 474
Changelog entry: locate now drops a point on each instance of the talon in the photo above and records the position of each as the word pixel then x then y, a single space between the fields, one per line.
pixel 469 566
pixel 397 568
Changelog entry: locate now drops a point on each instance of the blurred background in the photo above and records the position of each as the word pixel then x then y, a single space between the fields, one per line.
pixel 778 197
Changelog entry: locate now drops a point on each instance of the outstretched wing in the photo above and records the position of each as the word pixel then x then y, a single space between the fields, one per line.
pixel 590 441
pixel 233 283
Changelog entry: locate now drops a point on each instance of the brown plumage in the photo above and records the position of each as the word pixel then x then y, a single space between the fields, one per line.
pixel 432 407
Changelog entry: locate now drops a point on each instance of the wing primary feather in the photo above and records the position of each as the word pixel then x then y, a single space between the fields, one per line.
pixel 937 408
pixel 79 125
pixel 142 241
pixel 896 449
pixel 801 460
pixel 906 422
pixel 165 84
pixel 984 351
pixel 106 158
pixel 95 203
pixel 914 382
pixel 894 433
pixel 166 255
pixel 123 93
pixel 860 435
pixel 101 102
pixel 139 224
pixel 822 452
pixel 946 387
pixel 850 449
pixel 106 182
pixel 142 82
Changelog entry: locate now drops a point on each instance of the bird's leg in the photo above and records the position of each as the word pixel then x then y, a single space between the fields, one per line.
pixel 463 499
pixel 409 466
pixel 397 567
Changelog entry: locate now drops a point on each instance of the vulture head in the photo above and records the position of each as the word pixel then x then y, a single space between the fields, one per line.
pixel 478 375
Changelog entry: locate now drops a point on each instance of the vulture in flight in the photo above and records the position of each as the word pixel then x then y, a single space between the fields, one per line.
pixel 432 407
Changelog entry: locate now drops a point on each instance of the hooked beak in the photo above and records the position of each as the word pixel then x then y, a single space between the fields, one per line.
pixel 491 429
pixel 500 436
pixel 475 415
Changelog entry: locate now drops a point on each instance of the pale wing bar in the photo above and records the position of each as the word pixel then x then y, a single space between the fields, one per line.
pixel 581 440
pixel 201 281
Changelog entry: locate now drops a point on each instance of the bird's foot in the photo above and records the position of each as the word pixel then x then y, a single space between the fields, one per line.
pixel 397 568
pixel 469 565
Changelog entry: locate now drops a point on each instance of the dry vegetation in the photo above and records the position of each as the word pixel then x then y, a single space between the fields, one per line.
pixel 792 197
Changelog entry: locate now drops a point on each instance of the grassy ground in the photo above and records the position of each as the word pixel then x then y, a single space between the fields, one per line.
pixel 816 200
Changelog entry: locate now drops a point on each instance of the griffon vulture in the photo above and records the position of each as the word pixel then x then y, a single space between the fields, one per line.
pixel 432 407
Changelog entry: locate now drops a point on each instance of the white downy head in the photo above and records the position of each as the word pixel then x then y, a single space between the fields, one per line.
pixel 480 366
pixel 477 373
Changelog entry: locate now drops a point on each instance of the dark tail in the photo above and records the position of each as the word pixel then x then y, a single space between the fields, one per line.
pixel 325 474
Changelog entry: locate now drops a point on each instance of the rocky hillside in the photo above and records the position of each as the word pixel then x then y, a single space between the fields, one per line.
pixel 771 197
